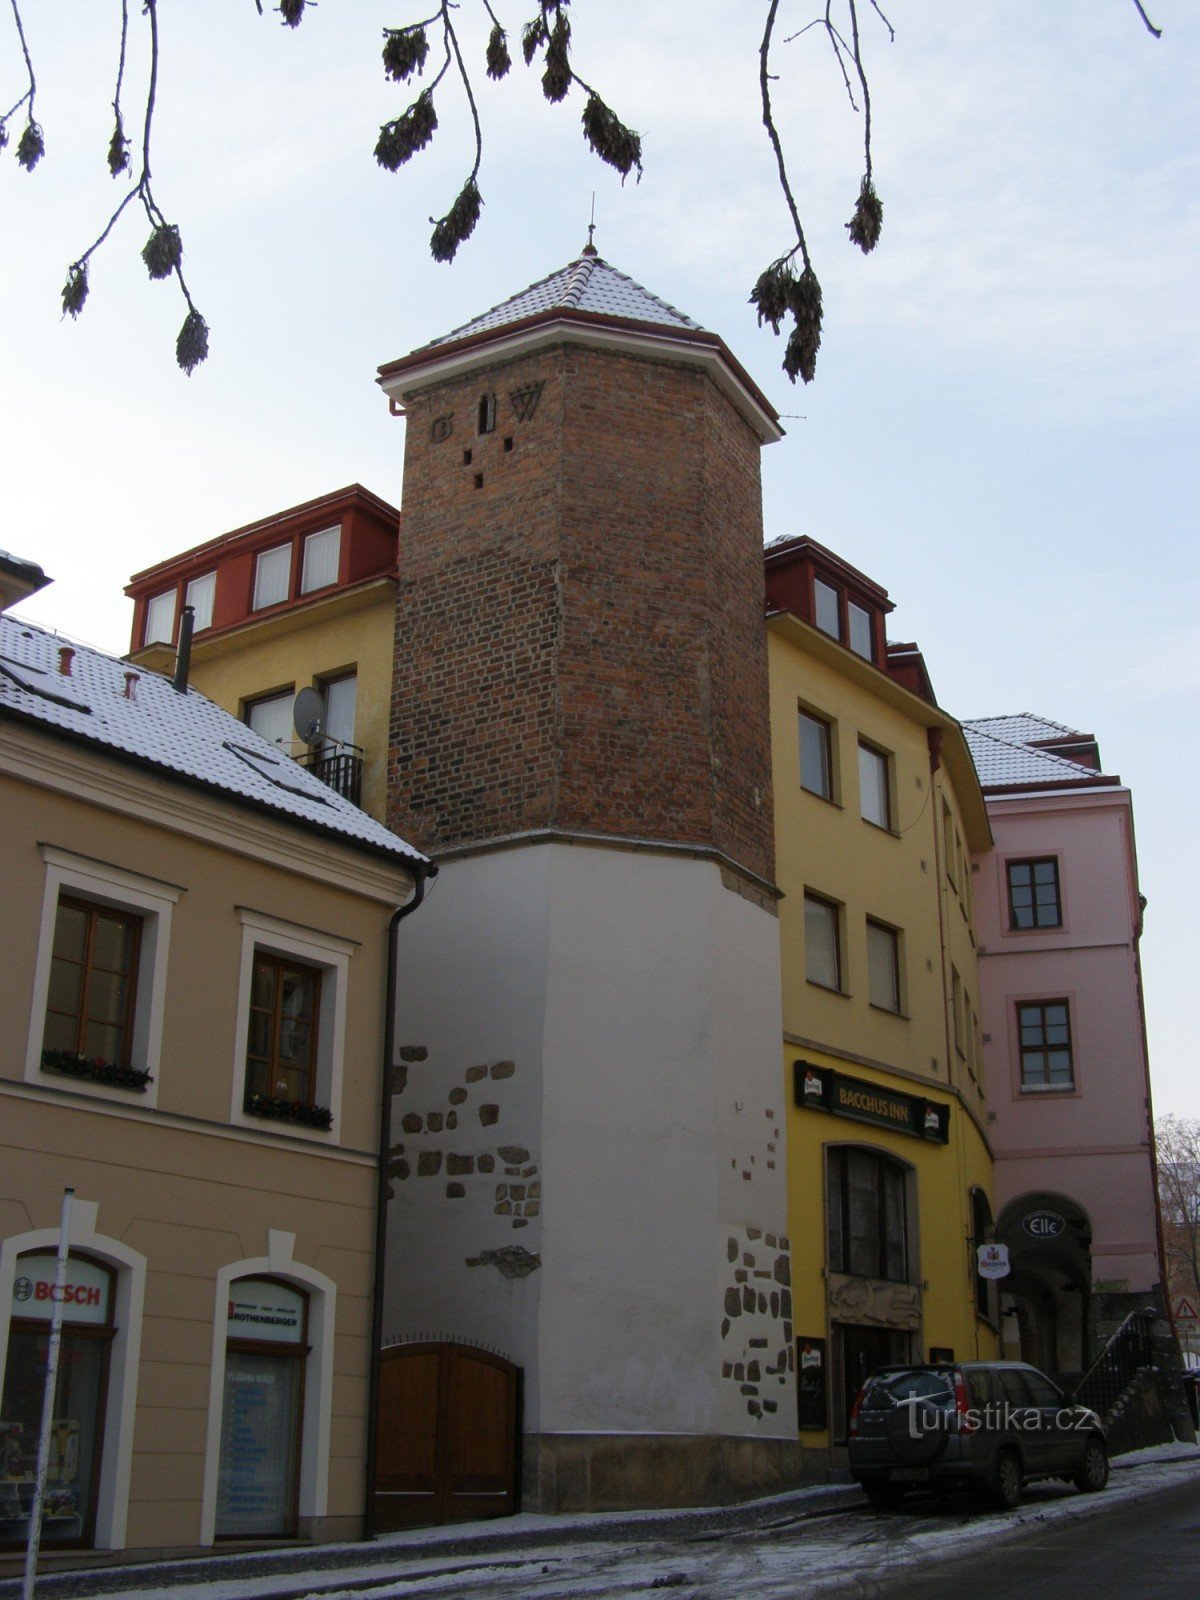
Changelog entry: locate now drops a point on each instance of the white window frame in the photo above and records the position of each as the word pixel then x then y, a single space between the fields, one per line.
pixel 884 760
pixel 264 555
pixel 306 586
pixel 210 579
pixel 149 635
pixel 896 950
pixel 331 956
pixel 147 898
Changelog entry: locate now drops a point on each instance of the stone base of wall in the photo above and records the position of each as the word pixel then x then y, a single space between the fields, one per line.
pixel 629 1472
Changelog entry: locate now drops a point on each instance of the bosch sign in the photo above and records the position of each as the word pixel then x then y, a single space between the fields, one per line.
pixel 1044 1224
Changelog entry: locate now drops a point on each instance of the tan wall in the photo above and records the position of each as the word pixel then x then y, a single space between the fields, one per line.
pixel 175 1182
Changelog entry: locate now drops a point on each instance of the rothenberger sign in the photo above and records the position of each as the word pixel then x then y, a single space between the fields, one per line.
pixel 86 1293
pixel 823 1089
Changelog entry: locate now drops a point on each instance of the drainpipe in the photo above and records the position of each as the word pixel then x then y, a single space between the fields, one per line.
pixel 426 870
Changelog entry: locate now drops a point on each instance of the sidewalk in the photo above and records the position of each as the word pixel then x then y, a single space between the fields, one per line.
pixel 284 1574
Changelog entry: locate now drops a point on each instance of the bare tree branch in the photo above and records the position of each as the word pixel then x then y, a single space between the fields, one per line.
pixel 1141 11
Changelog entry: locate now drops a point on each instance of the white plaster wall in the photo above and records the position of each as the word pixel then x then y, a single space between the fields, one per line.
pixel 471 978
pixel 661 1061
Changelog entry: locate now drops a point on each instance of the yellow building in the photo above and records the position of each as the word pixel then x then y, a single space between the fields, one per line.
pixel 303 599
pixel 877 809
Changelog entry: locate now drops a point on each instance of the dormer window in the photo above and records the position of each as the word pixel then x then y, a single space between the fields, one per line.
pixel 272 576
pixel 160 618
pixel 828 608
pixel 200 595
pixel 321 554
pixel 860 630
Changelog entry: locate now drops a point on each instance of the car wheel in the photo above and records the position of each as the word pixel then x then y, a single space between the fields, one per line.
pixel 883 1496
pixel 1093 1469
pixel 1004 1490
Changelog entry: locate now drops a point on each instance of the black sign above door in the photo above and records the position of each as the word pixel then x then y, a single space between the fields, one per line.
pixel 823 1089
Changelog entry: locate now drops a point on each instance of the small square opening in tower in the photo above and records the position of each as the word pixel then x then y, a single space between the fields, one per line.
pixel 508 443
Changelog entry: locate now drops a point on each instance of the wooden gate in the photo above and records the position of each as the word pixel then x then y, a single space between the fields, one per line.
pixel 447 1445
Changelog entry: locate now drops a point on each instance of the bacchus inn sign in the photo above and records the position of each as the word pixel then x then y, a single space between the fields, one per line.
pixel 823 1089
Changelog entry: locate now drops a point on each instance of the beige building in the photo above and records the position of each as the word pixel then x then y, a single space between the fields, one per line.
pixel 193 987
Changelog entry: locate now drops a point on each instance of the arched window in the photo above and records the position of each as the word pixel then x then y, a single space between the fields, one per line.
pixel 868 1214
pixel 982 1231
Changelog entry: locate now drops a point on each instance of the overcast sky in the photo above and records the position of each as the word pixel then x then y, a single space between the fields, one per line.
pixel 1003 429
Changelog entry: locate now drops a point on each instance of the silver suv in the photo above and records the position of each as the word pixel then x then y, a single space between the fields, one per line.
pixel 991 1425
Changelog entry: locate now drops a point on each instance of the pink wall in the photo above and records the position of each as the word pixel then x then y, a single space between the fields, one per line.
pixel 1089 1142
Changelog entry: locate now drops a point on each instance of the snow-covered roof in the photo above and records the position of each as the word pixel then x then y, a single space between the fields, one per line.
pixel 139 716
pixel 588 284
pixel 1006 754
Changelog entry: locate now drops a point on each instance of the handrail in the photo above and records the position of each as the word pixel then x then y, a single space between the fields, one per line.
pixel 1128 1352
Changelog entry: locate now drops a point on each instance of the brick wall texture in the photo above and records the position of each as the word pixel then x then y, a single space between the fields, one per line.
pixel 579 633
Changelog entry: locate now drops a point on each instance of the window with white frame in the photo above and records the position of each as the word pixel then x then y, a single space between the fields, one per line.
pixel 99 977
pixel 883 965
pixel 272 576
pixel 160 619
pixel 816 755
pixel 860 630
pixel 290 1026
pixel 201 593
pixel 319 568
pixel 272 717
pixel 828 606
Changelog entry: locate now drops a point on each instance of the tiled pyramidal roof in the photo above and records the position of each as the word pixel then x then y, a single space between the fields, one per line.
pixel 587 284
pixel 1005 751
pixel 183 735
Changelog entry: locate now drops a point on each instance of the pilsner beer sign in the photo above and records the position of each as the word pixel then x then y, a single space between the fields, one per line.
pixel 823 1089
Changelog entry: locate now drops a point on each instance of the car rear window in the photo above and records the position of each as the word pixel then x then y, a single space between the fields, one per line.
pixel 892 1388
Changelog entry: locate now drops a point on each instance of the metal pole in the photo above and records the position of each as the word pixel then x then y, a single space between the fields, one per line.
pixel 43 1456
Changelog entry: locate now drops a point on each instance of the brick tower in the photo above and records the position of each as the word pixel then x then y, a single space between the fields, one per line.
pixel 580 737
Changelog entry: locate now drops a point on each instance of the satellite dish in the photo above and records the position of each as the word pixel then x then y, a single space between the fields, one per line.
pixel 308 715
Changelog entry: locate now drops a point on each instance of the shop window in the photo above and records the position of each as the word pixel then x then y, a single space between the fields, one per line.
pixel 868 1214
pixel 272 576
pixel 319 569
pixel 99 977
pixel 874 789
pixel 262 1410
pixel 290 1023
pixel 1045 1044
pixel 816 756
pixel 201 592
pixel 77 1431
pixel 1033 894
pixel 822 942
pixel 160 619
pixel 883 966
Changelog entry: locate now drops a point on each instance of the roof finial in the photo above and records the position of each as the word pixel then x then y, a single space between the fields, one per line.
pixel 589 248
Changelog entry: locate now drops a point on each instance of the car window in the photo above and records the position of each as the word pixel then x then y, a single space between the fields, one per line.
pixel 979 1386
pixel 893 1388
pixel 1043 1391
pixel 1014 1387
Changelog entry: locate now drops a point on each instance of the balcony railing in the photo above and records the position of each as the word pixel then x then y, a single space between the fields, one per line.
pixel 339 766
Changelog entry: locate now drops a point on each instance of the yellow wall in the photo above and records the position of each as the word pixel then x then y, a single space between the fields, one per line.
pixel 898 877
pixel 349 631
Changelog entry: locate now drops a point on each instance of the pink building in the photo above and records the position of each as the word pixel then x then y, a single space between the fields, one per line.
pixel 1058 917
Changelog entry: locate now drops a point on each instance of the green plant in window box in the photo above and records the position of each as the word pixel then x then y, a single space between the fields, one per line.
pixel 265 1105
pixel 95 1070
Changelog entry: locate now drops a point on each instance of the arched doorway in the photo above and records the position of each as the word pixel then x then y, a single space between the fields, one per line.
pixel 1045 1306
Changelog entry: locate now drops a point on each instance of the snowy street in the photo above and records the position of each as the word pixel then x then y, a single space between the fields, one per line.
pixel 1138 1536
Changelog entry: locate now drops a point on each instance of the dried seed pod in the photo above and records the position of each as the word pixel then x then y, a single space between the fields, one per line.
pixel 608 136
pixel 498 58
pixel 191 347
pixel 772 294
pixel 163 251
pixel 800 356
pixel 404 52
pixel 291 11
pixel 457 226
pixel 400 140
pixel 118 149
pixel 556 79
pixel 75 290
pixel 31 146
pixel 3 132
pixel 865 225
pixel 533 36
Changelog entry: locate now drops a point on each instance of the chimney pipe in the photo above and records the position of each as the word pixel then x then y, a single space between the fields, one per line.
pixel 183 656
pixel 65 657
